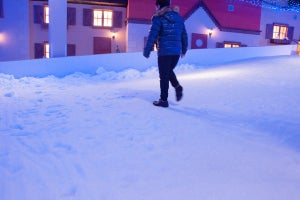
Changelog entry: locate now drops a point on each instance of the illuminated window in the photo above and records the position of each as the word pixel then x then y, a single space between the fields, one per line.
pixel 97 17
pixel 280 32
pixel 46 14
pixel 46 50
pixel 107 18
pixel 102 18
pixel 231 45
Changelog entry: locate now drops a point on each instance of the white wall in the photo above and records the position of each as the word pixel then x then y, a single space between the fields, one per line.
pixel 200 22
pixel 135 36
pixel 117 62
pixel 14 31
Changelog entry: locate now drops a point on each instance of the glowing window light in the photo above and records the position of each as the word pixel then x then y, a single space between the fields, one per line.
pixel 227 45
pixel 46 50
pixel 231 45
pixel 97 18
pixel 107 18
pixel 46 14
pixel 102 18
pixel 280 32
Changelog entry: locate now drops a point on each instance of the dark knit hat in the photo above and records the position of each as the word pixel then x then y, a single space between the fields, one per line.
pixel 162 3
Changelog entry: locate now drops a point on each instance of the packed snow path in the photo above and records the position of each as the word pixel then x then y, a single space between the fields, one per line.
pixel 235 135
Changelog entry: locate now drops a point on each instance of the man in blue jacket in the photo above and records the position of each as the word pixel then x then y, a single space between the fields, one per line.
pixel 169 34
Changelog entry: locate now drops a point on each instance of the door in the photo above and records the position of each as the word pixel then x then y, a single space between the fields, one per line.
pixel 102 45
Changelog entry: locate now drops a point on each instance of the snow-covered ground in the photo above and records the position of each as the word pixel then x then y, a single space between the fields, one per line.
pixel 234 136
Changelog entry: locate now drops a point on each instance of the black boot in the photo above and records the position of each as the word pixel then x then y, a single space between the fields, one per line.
pixel 179 94
pixel 161 103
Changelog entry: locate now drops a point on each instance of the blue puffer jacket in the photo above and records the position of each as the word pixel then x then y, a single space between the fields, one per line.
pixel 168 32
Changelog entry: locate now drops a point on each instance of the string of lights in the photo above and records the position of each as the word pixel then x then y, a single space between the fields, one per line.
pixel 290 5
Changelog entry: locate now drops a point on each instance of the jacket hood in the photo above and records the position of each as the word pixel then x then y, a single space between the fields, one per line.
pixel 168 13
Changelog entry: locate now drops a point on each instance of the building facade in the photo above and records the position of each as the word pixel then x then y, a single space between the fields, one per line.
pixel 112 26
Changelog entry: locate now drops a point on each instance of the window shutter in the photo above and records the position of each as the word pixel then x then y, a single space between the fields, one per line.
pixel 269 31
pixel 1 9
pixel 71 49
pixel 219 45
pixel 117 19
pixel 290 33
pixel 71 16
pixel 38 50
pixel 87 17
pixel 38 14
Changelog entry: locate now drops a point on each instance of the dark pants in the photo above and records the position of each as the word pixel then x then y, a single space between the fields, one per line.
pixel 166 65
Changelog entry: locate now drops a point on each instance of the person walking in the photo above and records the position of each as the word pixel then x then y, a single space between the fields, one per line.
pixel 169 35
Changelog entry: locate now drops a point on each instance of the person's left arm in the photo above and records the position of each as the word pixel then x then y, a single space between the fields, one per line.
pixel 184 41
pixel 152 38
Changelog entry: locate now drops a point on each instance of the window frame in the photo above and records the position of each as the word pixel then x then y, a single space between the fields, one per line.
pixel 229 44
pixel 281 32
pixel 46 14
pixel 103 21
pixel 46 50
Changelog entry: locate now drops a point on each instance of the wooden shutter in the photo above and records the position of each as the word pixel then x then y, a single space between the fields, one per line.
pixel 87 17
pixel 71 16
pixel 71 49
pixel 269 31
pixel 117 19
pixel 290 33
pixel 1 9
pixel 38 50
pixel 38 14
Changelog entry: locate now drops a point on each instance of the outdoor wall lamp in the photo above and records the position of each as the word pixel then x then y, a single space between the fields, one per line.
pixel 210 32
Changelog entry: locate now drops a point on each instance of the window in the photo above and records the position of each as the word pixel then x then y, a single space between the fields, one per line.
pixel 102 18
pixel 97 18
pixel 41 15
pixel 279 33
pixel 42 50
pixel 46 50
pixel 231 44
pixel 46 14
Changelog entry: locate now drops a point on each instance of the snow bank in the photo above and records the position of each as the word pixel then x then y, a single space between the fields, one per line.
pixel 61 67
